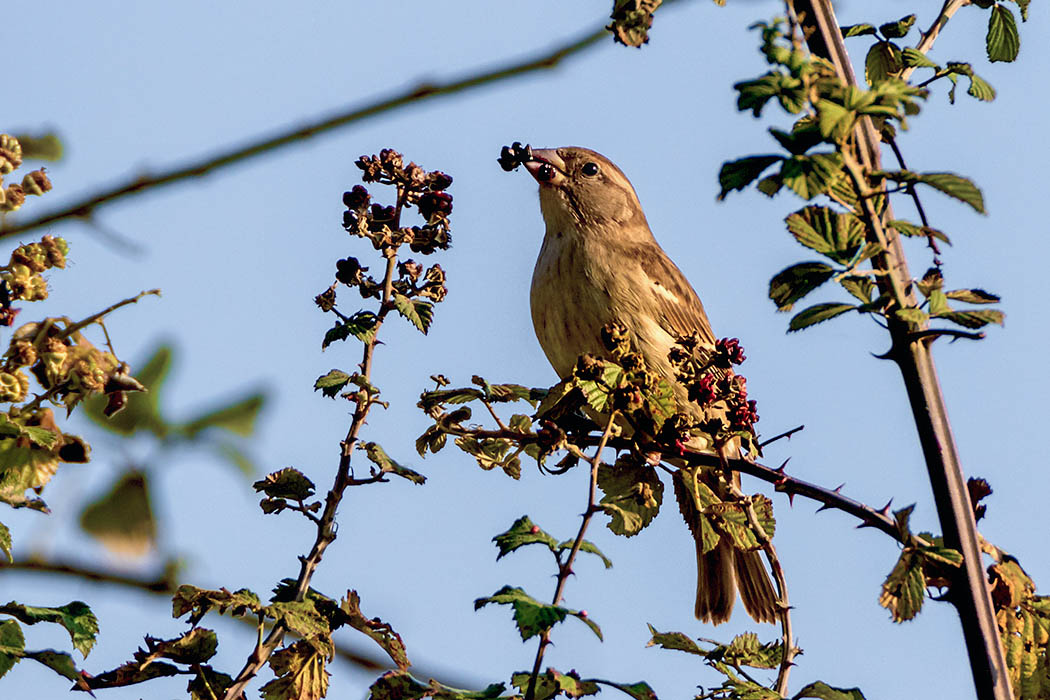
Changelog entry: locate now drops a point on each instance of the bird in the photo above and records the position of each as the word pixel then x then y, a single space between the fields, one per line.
pixel 599 263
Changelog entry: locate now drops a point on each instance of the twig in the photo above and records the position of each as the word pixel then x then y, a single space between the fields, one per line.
pixel 86 206
pixel 787 658
pixel 786 434
pixel 934 333
pixel 70 330
pixel 949 8
pixel 565 568
pixel 326 526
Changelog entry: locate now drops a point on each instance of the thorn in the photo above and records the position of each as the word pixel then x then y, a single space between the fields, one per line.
pixel 823 506
pixel 886 508
pixel 864 525
pixel 838 489
pixel 791 499
pixel 888 355
pixel 783 464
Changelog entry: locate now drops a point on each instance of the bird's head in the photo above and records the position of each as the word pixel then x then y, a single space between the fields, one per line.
pixel 580 188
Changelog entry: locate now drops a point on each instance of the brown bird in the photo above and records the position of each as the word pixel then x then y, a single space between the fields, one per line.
pixel 599 263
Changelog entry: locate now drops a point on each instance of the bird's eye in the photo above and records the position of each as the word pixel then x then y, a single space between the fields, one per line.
pixel 589 169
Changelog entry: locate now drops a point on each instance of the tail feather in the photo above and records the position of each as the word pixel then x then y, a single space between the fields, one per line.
pixel 715 583
pixel 756 590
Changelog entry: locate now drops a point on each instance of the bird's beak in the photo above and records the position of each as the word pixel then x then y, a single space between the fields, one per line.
pixel 546 166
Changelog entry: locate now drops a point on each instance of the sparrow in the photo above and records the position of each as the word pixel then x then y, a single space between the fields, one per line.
pixel 599 263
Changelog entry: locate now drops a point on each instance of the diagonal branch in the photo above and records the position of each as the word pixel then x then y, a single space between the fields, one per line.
pixel 86 206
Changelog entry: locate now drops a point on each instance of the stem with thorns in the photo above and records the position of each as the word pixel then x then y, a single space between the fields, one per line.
pixel 565 567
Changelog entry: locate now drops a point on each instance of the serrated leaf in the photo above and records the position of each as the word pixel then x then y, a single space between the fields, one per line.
pixel 912 315
pixel 378 456
pixel 12 644
pixel 791 284
pixel 972 296
pixel 917 59
pixel 675 641
pixel 76 617
pixel 598 392
pixel 195 646
pixel 904 590
pixel 974 319
pixel 823 691
pixel 287 483
pixel 531 616
pixel 1002 41
pixel 953 185
pixel 639 691
pixel 834 121
pixel 860 288
pixel 857 30
pixel 199 602
pixel 818 313
pixel 523 532
pixel 980 89
pixel 431 399
pixel 332 383
pixel 898 29
pixel 590 548
pixel 810 176
pixel 746 650
pixel 738 174
pixel 122 519
pixel 361 326
pixel 418 312
pixel 5 542
pixel 906 228
pixel 633 494
pixel 884 60
pixel 59 662
pixel 799 140
pixel 300 673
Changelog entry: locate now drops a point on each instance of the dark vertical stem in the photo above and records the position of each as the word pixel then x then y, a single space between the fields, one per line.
pixel 969 592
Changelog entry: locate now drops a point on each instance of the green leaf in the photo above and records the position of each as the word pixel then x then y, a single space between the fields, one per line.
pixel 738 174
pixel 810 176
pixel 523 532
pixel 299 671
pixel 418 312
pixel 432 399
pixel 286 483
pixel 590 548
pixel 598 392
pixel 378 456
pixel 950 184
pixel 906 228
pixel 12 644
pixel 37 436
pixel 980 89
pixel 817 313
pixel 973 296
pixel 904 590
pixel 859 287
pixel 823 691
pixel 45 146
pixel 380 632
pixel 361 325
pixel 754 94
pixel 834 121
pixel 857 30
pixel 332 383
pixel 674 640
pixel 195 646
pixel 917 59
pixel 912 315
pixel 531 616
pixel 122 519
pixel 5 542
pixel 59 662
pixel 76 617
pixel 1002 41
pixel 803 136
pixel 974 319
pixel 1022 4
pixel 898 29
pixel 884 60
pixel 633 494
pixel 639 691
pixel 795 282
pixel 237 417
pixel 199 602
pixel 746 650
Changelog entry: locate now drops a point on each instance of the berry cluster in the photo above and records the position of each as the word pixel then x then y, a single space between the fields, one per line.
pixel 510 157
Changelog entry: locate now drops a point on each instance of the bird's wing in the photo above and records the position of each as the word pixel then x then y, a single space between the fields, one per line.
pixel 675 304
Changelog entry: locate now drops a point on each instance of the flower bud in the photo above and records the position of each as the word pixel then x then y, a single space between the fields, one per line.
pixel 36 182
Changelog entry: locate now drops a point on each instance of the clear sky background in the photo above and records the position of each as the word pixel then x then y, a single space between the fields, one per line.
pixel 240 254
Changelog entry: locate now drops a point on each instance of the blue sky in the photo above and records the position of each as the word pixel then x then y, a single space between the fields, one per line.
pixel 241 253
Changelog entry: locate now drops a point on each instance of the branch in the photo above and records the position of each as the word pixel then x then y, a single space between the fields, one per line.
pixel 85 207
pixel 565 568
pixel 949 8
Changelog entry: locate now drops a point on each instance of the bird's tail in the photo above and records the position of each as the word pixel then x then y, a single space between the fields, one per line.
pixel 720 571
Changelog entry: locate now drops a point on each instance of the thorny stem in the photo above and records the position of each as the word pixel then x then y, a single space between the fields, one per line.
pixel 326 530
pixel 949 8
pixel 955 512
pixel 565 568
pixel 787 659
